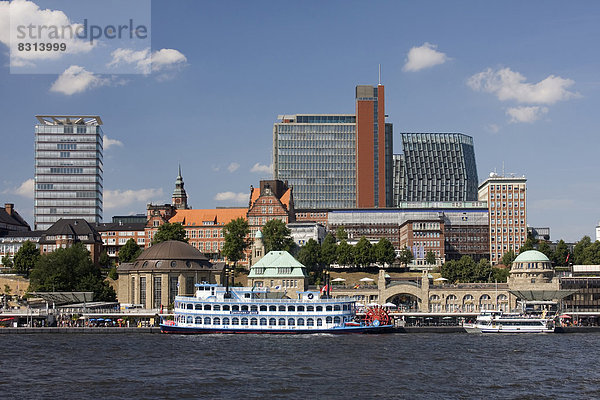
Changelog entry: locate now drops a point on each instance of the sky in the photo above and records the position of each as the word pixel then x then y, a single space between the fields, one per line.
pixel 204 87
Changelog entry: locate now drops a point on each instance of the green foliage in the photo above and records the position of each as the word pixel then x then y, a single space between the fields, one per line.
pixel 500 274
pixel 363 252
pixel 310 255
pixel 384 252
pixel 236 239
pixel 529 244
pixel 26 258
pixel 341 234
pixel 586 252
pixel 329 250
pixel 104 260
pixel 70 270
pixel 345 254
pixel 466 270
pixel 169 231
pixel 544 247
pixel 430 258
pixel 7 262
pixel 560 254
pixel 129 252
pixel 508 258
pixel 406 256
pixel 112 274
pixel 276 236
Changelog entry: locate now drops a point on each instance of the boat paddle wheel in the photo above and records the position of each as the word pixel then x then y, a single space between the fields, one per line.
pixel 377 316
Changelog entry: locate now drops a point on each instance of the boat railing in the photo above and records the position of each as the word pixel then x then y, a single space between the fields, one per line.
pixel 258 300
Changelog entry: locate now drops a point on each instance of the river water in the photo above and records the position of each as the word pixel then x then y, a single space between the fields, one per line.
pixel 411 366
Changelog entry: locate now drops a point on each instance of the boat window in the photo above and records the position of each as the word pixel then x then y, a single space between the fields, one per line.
pixel 292 308
pixel 216 307
pixel 329 320
pixel 190 320
pixel 244 308
pixel 328 308
pixel 319 321
pixel 226 307
pixel 300 321
pixel 310 322
pixel 345 307
pixel 337 307
pixel 272 308
pixel 207 307
pixel 301 308
pixel 281 321
pixel 245 321
pixel 198 320
pixel 236 321
pixel 225 321
pixel 198 306
pixel 190 306
pixel 263 308
pixel 254 308
pixel 206 321
pixel 336 320
pixel 281 308
pixel 235 308
pixel 291 322
pixel 263 321
pixel 272 321
pixel 217 321
pixel 310 308
pixel 319 308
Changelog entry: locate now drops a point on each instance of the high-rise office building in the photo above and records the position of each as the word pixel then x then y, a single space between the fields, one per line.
pixel 435 167
pixel 507 205
pixel 68 169
pixel 337 160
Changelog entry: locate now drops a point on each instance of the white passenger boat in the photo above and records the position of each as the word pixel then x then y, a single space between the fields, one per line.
pixel 216 309
pixel 499 322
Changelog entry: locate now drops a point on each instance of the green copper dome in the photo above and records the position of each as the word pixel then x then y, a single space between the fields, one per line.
pixel 532 256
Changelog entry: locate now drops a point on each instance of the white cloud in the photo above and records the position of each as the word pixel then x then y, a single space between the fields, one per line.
pixel 108 143
pixel 510 85
pixel 121 198
pixel 25 189
pixel 233 167
pixel 146 62
pixel 77 79
pixel 493 128
pixel 259 168
pixel 237 198
pixel 425 56
pixel 526 114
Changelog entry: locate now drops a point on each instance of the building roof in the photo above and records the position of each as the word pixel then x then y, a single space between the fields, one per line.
pixel 273 262
pixel 73 227
pixel 200 218
pixel 172 250
pixel 285 199
pixel 117 226
pixel 13 219
pixel 532 256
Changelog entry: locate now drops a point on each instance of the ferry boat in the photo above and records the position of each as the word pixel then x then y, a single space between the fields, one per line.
pixel 217 309
pixel 499 322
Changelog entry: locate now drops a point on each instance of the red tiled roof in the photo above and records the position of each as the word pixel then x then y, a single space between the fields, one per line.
pixel 218 216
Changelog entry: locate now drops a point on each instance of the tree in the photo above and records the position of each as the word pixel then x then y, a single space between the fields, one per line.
pixel 104 260
pixel 345 254
pixel 277 236
pixel 236 239
pixel 430 258
pixel 561 253
pixel 482 272
pixel 129 252
pixel 363 252
pixel 329 250
pixel 7 263
pixel 405 256
pixel 384 252
pixel 508 258
pixel 26 258
pixel 544 247
pixel 500 274
pixel 168 231
pixel 310 254
pixel 465 270
pixel 530 243
pixel 341 234
pixel 70 270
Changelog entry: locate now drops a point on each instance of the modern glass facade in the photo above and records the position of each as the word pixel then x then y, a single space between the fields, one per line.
pixel 435 167
pixel 318 158
pixel 68 169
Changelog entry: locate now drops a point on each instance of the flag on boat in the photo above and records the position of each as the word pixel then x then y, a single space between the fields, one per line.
pixel 567 260
pixel 325 288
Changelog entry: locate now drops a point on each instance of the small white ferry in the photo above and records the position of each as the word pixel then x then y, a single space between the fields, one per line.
pixel 216 309
pixel 499 322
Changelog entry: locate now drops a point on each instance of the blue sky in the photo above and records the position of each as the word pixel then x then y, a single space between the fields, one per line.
pixel 522 78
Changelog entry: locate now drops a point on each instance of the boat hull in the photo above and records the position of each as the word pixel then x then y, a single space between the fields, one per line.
pixel 184 330
pixel 475 328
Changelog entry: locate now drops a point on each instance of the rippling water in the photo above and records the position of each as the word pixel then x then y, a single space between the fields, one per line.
pixel 305 367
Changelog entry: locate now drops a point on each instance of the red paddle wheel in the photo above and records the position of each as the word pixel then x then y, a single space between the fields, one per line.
pixel 377 316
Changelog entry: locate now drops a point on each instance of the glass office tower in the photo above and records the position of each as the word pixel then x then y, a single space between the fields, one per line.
pixel 435 167
pixel 68 169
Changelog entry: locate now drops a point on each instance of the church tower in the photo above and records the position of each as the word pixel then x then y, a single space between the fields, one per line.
pixel 179 199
